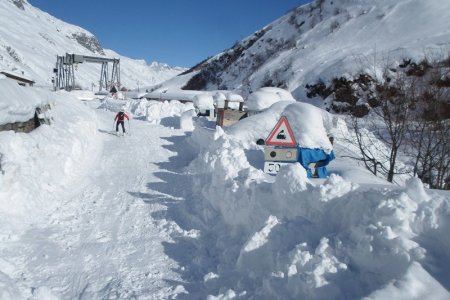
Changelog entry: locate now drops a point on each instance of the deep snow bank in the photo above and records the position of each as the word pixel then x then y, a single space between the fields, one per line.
pixel 37 165
pixel 289 237
pixel 152 111
pixel 261 237
pixel 17 103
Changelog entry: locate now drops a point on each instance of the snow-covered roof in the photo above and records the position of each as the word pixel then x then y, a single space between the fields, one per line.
pixel 174 95
pixel 227 95
pixel 190 96
pixel 16 76
pixel 203 102
pixel 265 97
pixel 18 103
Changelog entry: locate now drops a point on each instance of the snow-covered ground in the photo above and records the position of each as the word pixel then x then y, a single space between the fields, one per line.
pixel 76 210
pixel 180 209
pixel 166 212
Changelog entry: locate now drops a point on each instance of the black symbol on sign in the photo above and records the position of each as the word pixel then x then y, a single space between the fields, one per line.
pixel 281 135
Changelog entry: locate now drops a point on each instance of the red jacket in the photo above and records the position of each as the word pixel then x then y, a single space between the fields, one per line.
pixel 120 117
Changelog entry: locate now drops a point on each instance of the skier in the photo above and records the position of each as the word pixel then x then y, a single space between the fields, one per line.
pixel 120 117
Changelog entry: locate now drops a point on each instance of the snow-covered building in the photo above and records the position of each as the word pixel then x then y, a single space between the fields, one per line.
pixel 265 97
pixel 20 79
pixel 22 109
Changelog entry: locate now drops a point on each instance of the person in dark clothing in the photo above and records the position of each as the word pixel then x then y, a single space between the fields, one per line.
pixel 120 118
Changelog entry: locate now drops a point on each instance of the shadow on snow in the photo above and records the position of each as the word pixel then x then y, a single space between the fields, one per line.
pixel 174 192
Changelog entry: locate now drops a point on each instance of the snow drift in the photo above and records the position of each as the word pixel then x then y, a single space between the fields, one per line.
pixel 44 160
pixel 290 237
pixel 224 227
pixel 237 233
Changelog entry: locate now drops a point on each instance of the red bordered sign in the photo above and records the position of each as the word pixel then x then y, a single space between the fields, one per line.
pixel 281 134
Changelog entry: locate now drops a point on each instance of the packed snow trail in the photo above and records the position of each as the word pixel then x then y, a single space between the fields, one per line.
pixel 103 242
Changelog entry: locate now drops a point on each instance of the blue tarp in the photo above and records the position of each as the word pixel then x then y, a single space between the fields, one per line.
pixel 307 156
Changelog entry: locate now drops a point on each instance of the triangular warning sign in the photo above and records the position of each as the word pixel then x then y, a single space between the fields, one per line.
pixel 281 134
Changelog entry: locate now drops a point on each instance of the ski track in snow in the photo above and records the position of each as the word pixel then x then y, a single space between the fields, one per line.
pixel 103 241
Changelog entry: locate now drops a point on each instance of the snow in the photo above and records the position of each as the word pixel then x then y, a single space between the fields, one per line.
pixel 308 125
pixel 260 238
pixel 330 231
pixel 87 213
pixel 202 99
pixel 17 103
pixel 311 126
pixel 31 39
pixel 328 39
pixel 180 208
pixel 63 204
pixel 186 121
pixel 50 161
pixel 265 97
pixel 415 284
pixel 204 102
pixel 152 111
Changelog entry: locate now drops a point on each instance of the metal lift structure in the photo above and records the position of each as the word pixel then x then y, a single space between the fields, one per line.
pixel 65 71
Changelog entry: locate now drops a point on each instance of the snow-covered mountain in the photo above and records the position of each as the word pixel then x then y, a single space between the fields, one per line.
pixel 30 40
pixel 327 39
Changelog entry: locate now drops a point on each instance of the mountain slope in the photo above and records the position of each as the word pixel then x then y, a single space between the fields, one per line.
pixel 326 39
pixel 30 40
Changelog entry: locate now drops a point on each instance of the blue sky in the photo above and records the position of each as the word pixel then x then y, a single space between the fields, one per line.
pixel 176 32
